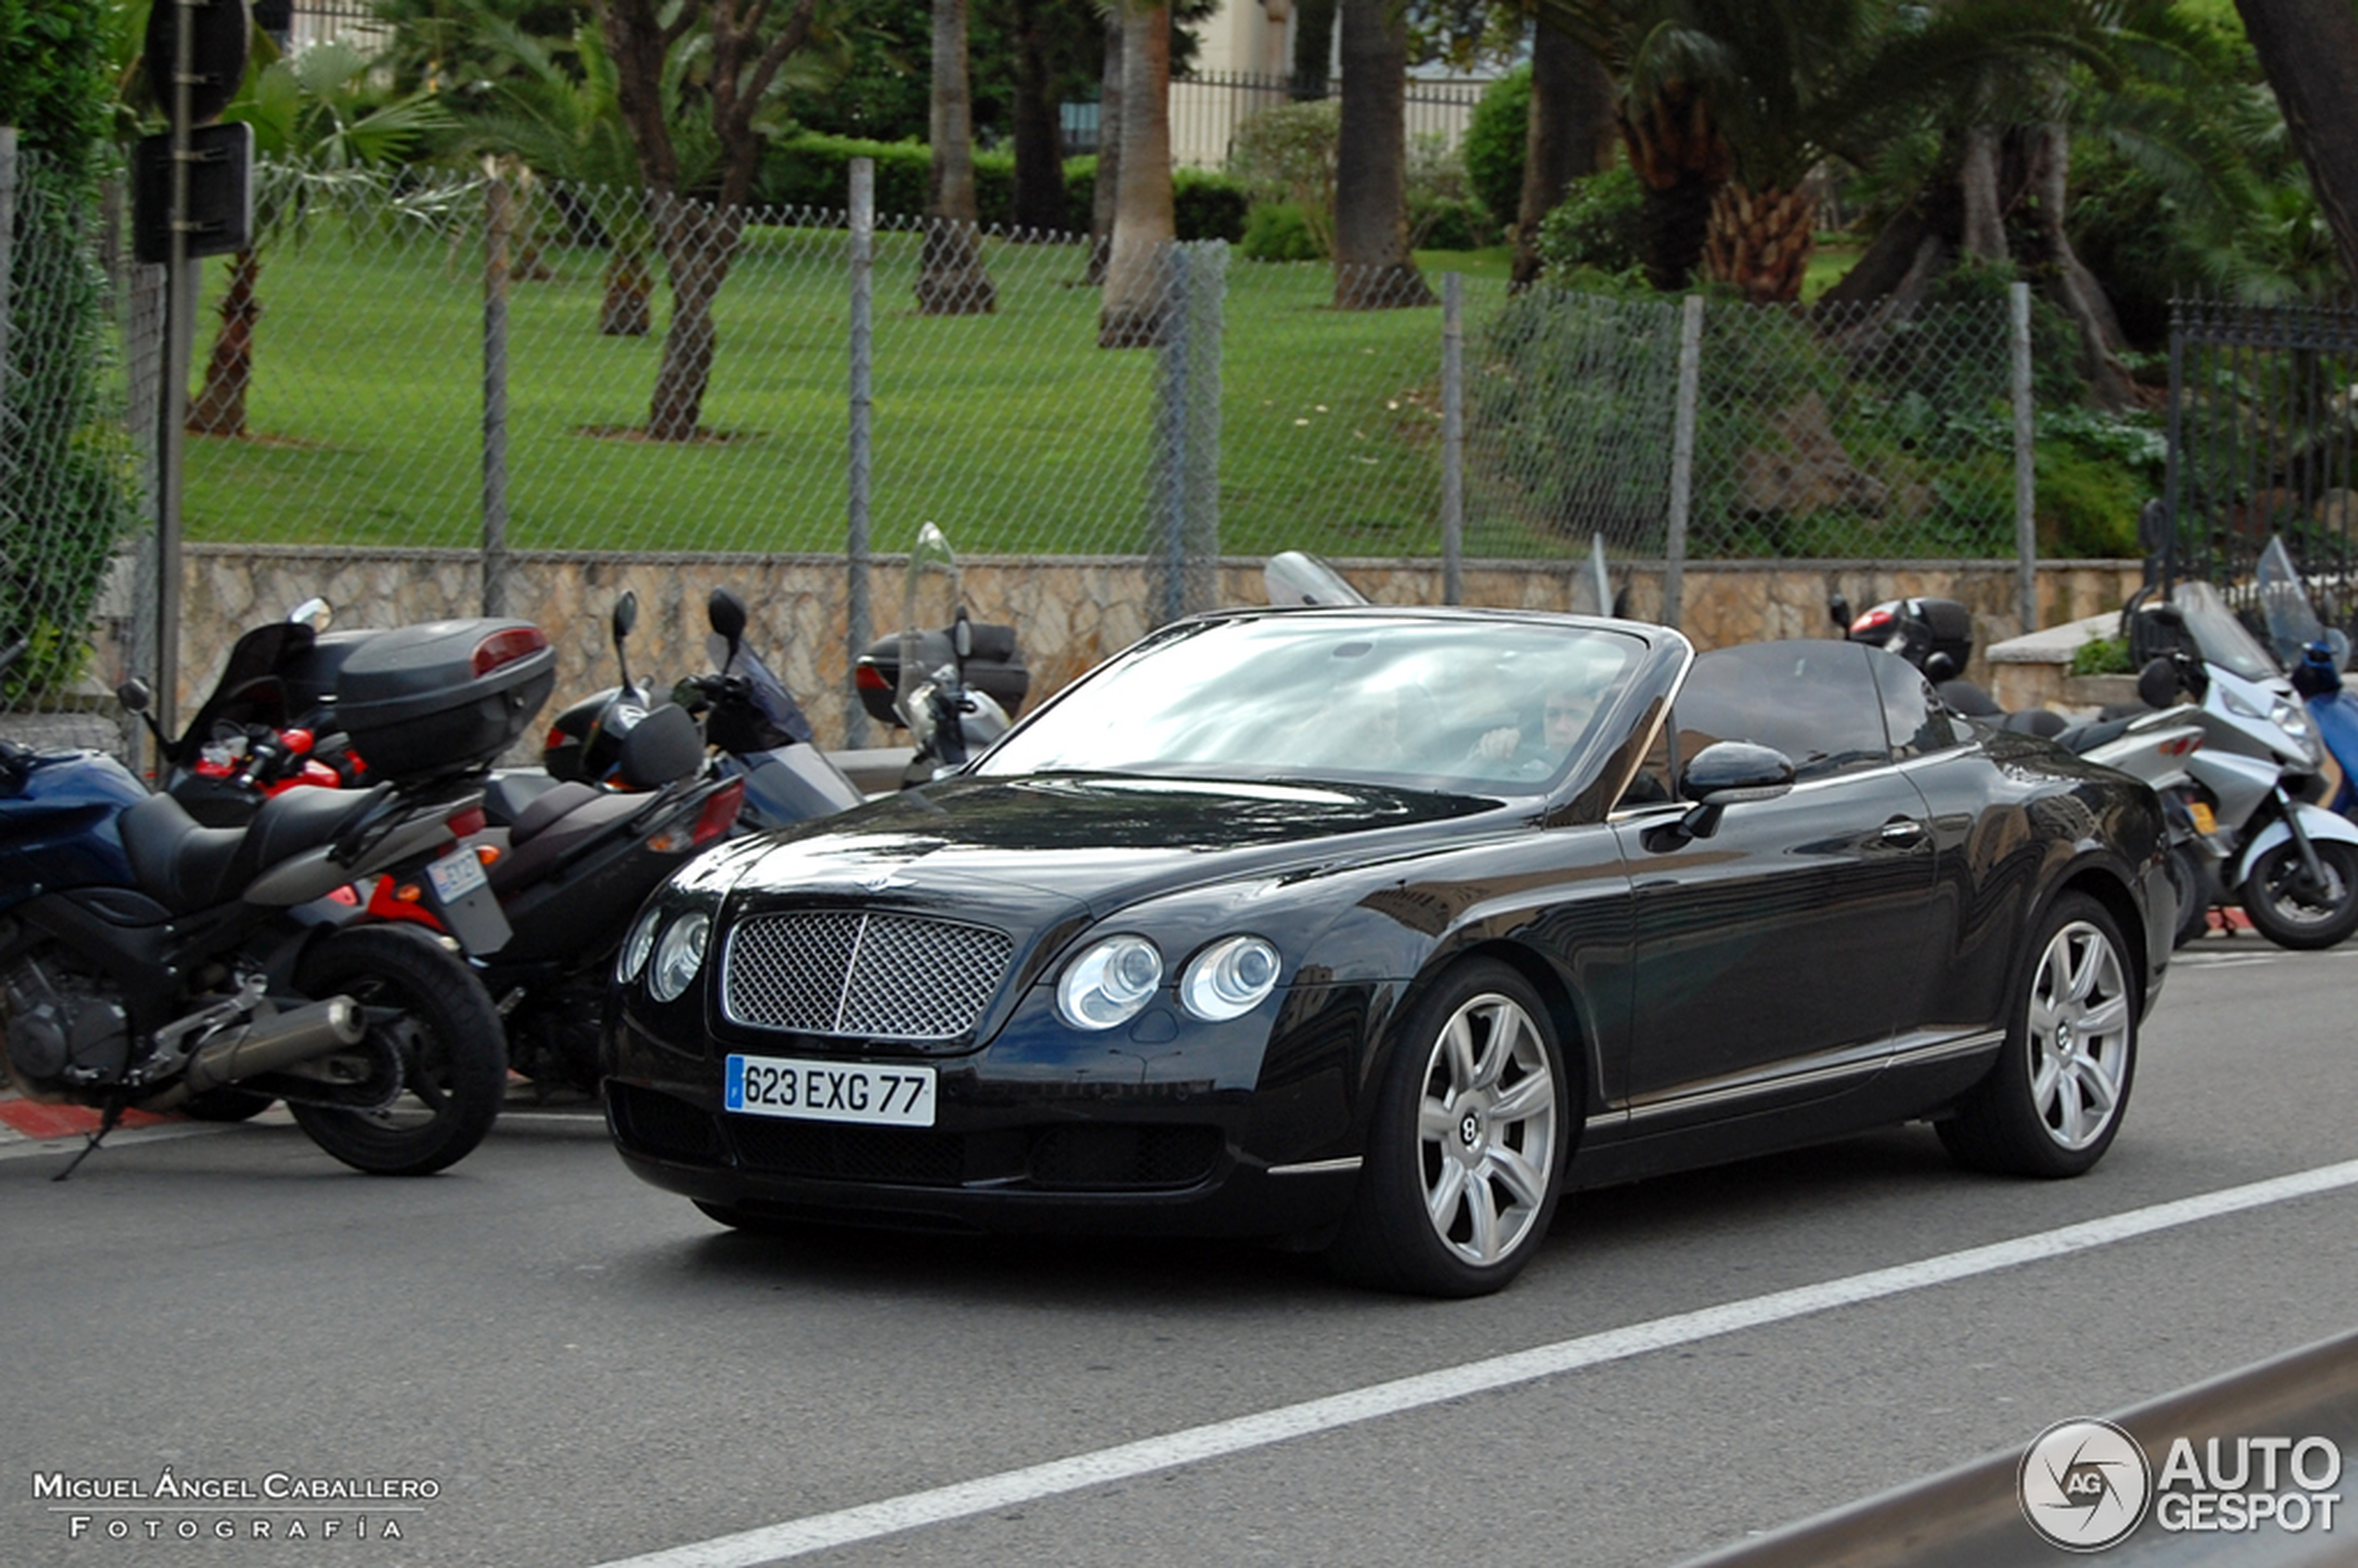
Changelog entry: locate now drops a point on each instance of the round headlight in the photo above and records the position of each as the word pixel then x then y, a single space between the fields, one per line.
pixel 679 955
pixel 1229 978
pixel 636 946
pixel 1108 984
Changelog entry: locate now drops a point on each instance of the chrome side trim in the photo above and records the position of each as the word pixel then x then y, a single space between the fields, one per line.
pixel 1857 1062
pixel 1317 1167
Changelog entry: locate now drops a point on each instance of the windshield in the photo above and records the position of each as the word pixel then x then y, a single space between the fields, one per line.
pixel 2221 636
pixel 1491 706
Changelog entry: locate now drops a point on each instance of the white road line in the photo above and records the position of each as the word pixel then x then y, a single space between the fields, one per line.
pixel 796 1537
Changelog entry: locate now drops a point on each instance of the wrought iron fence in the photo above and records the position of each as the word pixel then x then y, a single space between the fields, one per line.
pixel 1208 107
pixel 2263 442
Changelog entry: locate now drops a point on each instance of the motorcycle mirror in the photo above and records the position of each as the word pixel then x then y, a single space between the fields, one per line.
pixel 727 613
pixel 135 696
pixel 626 615
pixel 1838 607
pixel 1940 668
pixel 962 637
pixel 313 612
pixel 2158 683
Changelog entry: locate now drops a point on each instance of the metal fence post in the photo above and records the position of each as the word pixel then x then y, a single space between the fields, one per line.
pixel 7 245
pixel 2026 465
pixel 1682 457
pixel 497 223
pixel 1453 437
pixel 858 614
pixel 1210 275
pixel 1172 502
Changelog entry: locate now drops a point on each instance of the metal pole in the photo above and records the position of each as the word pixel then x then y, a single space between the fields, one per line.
pixel 1211 279
pixel 1682 457
pixel 1173 498
pixel 2174 456
pixel 7 240
pixel 2026 467
pixel 497 215
pixel 1453 437
pixel 858 617
pixel 179 332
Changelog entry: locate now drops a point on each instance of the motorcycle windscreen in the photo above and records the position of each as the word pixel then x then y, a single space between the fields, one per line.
pixel 770 694
pixel 930 597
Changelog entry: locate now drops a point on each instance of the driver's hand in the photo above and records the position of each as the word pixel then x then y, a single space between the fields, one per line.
pixel 1497 746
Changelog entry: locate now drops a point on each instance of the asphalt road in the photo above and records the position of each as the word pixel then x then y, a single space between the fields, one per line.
pixel 583 1370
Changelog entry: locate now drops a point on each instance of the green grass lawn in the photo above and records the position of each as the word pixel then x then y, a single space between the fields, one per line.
pixel 1013 429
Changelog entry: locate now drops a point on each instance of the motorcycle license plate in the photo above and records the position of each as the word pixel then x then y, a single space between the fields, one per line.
pixel 887 1096
pixel 2206 821
pixel 457 875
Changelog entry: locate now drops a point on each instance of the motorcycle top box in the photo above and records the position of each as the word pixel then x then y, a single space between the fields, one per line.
pixel 443 696
pixel 995 668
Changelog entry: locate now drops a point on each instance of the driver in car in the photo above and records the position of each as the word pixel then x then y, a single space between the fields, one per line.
pixel 1564 713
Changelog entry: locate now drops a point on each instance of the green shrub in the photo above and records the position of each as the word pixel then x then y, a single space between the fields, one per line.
pixel 1495 143
pixel 1450 224
pixel 2086 506
pixel 1285 156
pixel 1278 231
pixel 2101 655
pixel 1205 204
pixel 1595 227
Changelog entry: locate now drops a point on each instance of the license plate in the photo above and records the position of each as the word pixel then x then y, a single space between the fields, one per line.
pixel 889 1096
pixel 2205 823
pixel 456 874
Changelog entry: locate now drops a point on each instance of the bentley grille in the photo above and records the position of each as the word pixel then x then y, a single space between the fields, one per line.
pixel 875 977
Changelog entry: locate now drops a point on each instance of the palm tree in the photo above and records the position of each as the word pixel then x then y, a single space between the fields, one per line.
pixel 951 279
pixel 566 122
pixel 313 130
pixel 1373 267
pixel 1145 226
pixel 2308 49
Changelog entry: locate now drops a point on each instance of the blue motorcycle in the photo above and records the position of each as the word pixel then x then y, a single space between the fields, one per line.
pixel 149 962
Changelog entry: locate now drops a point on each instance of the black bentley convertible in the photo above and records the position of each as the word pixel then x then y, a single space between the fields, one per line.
pixel 1375 929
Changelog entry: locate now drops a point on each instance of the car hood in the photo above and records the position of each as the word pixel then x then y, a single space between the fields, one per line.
pixel 1094 840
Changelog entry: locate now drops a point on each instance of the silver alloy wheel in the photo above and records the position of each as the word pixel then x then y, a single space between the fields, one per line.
pixel 2080 1015
pixel 1486 1132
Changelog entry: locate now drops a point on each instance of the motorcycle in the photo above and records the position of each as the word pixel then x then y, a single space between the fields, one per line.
pixel 2291 864
pixel 952 682
pixel 149 962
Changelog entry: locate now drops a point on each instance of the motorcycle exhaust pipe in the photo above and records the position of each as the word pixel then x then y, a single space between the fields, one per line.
pixel 315 1029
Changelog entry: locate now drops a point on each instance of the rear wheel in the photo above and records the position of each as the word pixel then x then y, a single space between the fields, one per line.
pixel 1468 1143
pixel 2193 888
pixel 419 1001
pixel 2295 911
pixel 2053 1101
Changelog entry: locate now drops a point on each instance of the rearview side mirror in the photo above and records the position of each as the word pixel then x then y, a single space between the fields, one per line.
pixel 1722 774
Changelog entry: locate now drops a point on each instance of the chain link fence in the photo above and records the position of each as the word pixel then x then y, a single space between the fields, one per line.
pixel 528 370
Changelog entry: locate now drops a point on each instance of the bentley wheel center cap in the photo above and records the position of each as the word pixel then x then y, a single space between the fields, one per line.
pixel 1469 1129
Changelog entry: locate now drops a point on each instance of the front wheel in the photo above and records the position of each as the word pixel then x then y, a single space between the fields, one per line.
pixel 1471 1130
pixel 2053 1101
pixel 2294 910
pixel 421 1001
pixel 2192 884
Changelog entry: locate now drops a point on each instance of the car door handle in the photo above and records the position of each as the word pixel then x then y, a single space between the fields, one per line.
pixel 1905 833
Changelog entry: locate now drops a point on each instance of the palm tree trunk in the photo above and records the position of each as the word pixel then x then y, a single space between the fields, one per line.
pixel 1683 159
pixel 1039 206
pixel 1373 269
pixel 1131 316
pixel 1105 194
pixel 623 311
pixel 2309 51
pixel 951 279
pixel 1761 241
pixel 220 407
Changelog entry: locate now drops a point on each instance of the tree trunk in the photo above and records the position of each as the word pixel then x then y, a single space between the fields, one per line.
pixel 1131 316
pixel 1373 269
pixel 699 242
pixel 1761 241
pixel 1570 133
pixel 624 311
pixel 1985 219
pixel 2309 50
pixel 220 407
pixel 951 280
pixel 2070 284
pixel 1039 207
pixel 1106 191
pixel 1683 159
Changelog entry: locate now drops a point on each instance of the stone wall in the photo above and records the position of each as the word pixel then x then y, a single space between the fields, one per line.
pixel 1069 613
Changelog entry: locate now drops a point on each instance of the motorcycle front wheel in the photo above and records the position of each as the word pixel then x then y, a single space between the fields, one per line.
pixel 421 1001
pixel 2290 911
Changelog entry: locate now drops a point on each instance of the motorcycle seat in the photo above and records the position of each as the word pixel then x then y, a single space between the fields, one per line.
pixel 2084 738
pixel 560 832
pixel 511 791
pixel 546 808
pixel 185 865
